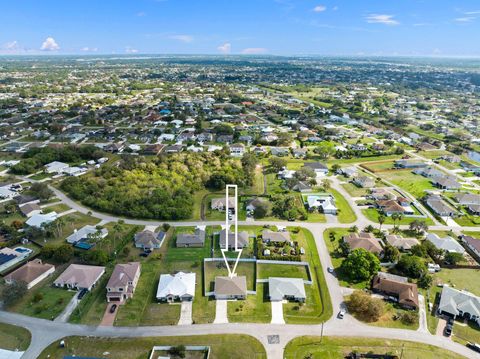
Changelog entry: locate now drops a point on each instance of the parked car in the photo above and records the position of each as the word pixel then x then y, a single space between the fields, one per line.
pixel 448 329
pixel 82 293
pixel 329 269
pixel 341 314
pixel 112 308
pixel 474 347
pixel 145 254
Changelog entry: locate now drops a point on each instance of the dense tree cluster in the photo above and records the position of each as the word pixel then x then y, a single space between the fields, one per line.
pixel 35 158
pixel 360 265
pixel 161 188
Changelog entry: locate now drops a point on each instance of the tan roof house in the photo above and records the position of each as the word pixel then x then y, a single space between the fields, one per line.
pixel 363 240
pixel 398 287
pixel 79 276
pixel 230 287
pixel 405 244
pixel 31 273
pixel 123 282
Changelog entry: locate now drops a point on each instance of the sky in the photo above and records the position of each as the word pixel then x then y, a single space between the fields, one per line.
pixel 252 27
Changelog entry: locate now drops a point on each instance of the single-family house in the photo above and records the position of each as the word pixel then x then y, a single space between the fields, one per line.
pixel 409 164
pixel 364 182
pixel 30 273
pixel 180 286
pixel 219 204
pixel 79 276
pixel 87 232
pixel 286 289
pixel 364 240
pixel 446 243
pixel 123 281
pixel 466 199
pixel 445 182
pixel 439 206
pixel 459 304
pixel 320 169
pixel 326 203
pixel 237 150
pixel 149 240
pixel 472 243
pixel 230 287
pixel 56 167
pixel 402 243
pixel 39 219
pixel 196 239
pixel 276 237
pixel 393 285
pixel 242 240
pixel 30 209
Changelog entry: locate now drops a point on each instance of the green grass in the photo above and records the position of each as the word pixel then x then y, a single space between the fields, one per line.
pixel 464 333
pixel 468 220
pixel 274 184
pixel 255 309
pixel 414 184
pixel 345 212
pixel 354 190
pixel 53 300
pixel 13 337
pixel 339 347
pixel 363 159
pixel 372 214
pixel 221 346
pixel 216 269
pixel 40 176
pixel 387 320
pixel 318 306
pixel 265 271
pixel 59 208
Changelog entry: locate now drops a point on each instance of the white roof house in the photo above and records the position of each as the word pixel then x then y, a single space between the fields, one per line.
pixel 84 232
pixel 6 192
pixel 180 286
pixel 459 303
pixel 56 167
pixel 446 243
pixel 37 220
pixel 326 203
pixel 286 288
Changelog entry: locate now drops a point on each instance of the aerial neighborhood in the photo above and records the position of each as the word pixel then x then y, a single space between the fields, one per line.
pixel 357 206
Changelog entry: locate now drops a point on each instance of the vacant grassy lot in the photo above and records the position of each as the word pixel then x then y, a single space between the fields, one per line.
pixel 59 208
pixel 372 214
pixel 354 190
pixel 222 346
pixel 318 306
pixel 265 271
pixel 339 347
pixel 13 337
pixel 414 184
pixel 345 212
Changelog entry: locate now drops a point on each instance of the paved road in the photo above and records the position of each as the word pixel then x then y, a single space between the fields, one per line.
pixel 45 332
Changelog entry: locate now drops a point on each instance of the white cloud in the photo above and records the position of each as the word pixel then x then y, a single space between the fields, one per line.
pixel 89 49
pixel 465 19
pixel 182 38
pixel 225 48
pixel 254 51
pixel 11 46
pixel 320 8
pixel 381 19
pixel 130 50
pixel 50 45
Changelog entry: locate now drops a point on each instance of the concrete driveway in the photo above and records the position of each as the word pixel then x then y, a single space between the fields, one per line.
pixel 422 314
pixel 441 327
pixel 277 313
pixel 221 316
pixel 63 317
pixel 186 313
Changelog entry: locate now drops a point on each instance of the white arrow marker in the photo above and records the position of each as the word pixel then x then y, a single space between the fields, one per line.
pixel 231 273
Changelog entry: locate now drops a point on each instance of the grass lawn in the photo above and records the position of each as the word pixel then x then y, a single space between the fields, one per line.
pixel 255 309
pixel 388 320
pixel 59 208
pixel 143 308
pixel 339 347
pixel 215 269
pixel 464 333
pixel 9 218
pixel 414 184
pixel 337 259
pixel 222 346
pixel 461 278
pixel 318 306
pixel 372 214
pixel 13 337
pixel 274 184
pixel 468 220
pixel 50 300
pixel 354 190
pixel 363 159
pixel 345 212
pixel 265 271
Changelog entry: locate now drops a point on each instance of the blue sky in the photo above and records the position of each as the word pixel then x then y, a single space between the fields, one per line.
pixel 278 27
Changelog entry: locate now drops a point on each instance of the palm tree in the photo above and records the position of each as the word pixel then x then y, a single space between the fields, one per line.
pixel 381 220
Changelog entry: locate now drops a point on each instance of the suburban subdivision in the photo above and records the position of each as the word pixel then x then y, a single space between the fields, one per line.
pixel 354 231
